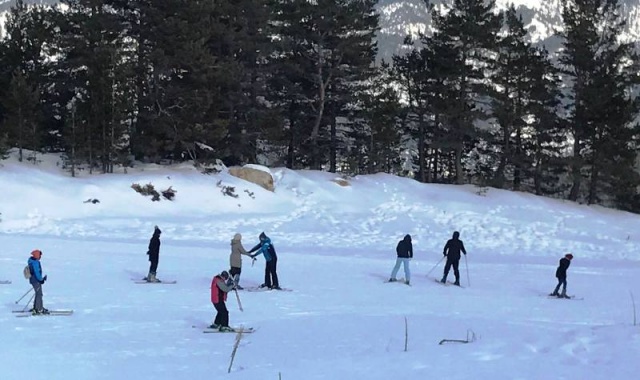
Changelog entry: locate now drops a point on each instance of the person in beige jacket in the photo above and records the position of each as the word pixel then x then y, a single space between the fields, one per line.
pixel 235 259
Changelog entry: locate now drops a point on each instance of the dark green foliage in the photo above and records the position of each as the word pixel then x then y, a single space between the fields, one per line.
pixel 603 74
pixel 295 83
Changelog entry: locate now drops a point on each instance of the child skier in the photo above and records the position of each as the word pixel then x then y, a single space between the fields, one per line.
pixel 154 255
pixel 561 275
pixel 220 286
pixel 37 280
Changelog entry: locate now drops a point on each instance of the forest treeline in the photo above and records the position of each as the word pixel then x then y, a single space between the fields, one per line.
pixel 296 83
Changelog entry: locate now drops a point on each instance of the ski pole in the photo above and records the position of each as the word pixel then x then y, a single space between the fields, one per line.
pixel 238 298
pixel 435 266
pixel 467 266
pixel 30 289
pixel 28 302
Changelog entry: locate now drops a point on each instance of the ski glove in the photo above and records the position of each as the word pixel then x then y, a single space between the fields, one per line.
pixel 43 279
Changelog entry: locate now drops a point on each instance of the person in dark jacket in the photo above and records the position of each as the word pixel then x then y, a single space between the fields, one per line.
pixel 452 250
pixel 37 280
pixel 404 250
pixel 154 255
pixel 221 284
pixel 561 275
pixel 266 248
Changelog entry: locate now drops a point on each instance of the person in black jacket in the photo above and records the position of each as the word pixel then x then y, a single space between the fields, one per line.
pixel 561 275
pixel 154 255
pixel 405 254
pixel 452 250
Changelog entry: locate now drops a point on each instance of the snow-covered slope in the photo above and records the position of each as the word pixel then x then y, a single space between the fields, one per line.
pixel 336 247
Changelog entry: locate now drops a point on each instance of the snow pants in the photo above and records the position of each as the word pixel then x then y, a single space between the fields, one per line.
pixel 222 315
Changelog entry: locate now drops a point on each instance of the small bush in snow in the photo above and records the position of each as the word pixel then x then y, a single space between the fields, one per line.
pixel 169 193
pixel 250 193
pixel 227 190
pixel 147 190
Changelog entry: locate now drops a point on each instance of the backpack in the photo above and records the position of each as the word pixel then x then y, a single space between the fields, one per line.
pixel 26 272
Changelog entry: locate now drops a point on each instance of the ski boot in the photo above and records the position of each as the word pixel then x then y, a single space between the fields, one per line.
pixel 226 329
pixel 214 326
pixel 444 280
pixel 392 280
pixel 407 282
pixel 152 278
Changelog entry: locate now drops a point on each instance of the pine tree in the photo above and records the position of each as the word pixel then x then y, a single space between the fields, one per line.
pixel 601 72
pixel 23 69
pixel 468 35
pixel 328 44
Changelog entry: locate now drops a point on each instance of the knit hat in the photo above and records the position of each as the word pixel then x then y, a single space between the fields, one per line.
pixel 224 274
pixel 569 256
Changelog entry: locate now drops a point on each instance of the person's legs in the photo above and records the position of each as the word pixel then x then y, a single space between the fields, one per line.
pixel 222 315
pixel 407 271
pixel 456 272
pixel 394 272
pixel 447 267
pixel 37 301
pixel 273 267
pixel 235 274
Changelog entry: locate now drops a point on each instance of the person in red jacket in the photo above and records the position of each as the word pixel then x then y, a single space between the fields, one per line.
pixel 220 286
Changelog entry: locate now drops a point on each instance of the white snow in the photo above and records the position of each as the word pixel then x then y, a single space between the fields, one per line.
pixel 336 247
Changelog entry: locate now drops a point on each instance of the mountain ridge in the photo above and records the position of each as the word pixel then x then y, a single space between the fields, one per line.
pixel 399 18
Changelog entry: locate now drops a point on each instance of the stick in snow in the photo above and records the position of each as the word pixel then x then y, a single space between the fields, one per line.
pixel 471 336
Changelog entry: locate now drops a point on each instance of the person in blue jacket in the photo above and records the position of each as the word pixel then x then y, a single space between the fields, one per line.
pixel 37 280
pixel 266 248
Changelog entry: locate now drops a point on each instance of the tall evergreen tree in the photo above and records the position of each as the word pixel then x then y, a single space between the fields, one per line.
pixel 23 70
pixel 328 43
pixel 468 32
pixel 596 63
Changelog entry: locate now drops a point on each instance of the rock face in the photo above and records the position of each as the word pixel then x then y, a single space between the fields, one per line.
pixel 259 177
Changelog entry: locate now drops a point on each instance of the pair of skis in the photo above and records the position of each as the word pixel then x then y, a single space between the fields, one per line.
pixel 52 313
pixel 143 281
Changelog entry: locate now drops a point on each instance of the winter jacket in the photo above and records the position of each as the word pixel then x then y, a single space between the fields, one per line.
pixel 237 250
pixel 563 265
pixel 453 247
pixel 219 289
pixel 405 248
pixel 35 268
pixel 154 245
pixel 266 248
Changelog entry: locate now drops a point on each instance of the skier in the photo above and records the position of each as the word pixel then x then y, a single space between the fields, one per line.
pixel 405 254
pixel 154 255
pixel 37 280
pixel 235 259
pixel 267 249
pixel 452 251
pixel 561 275
pixel 220 286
